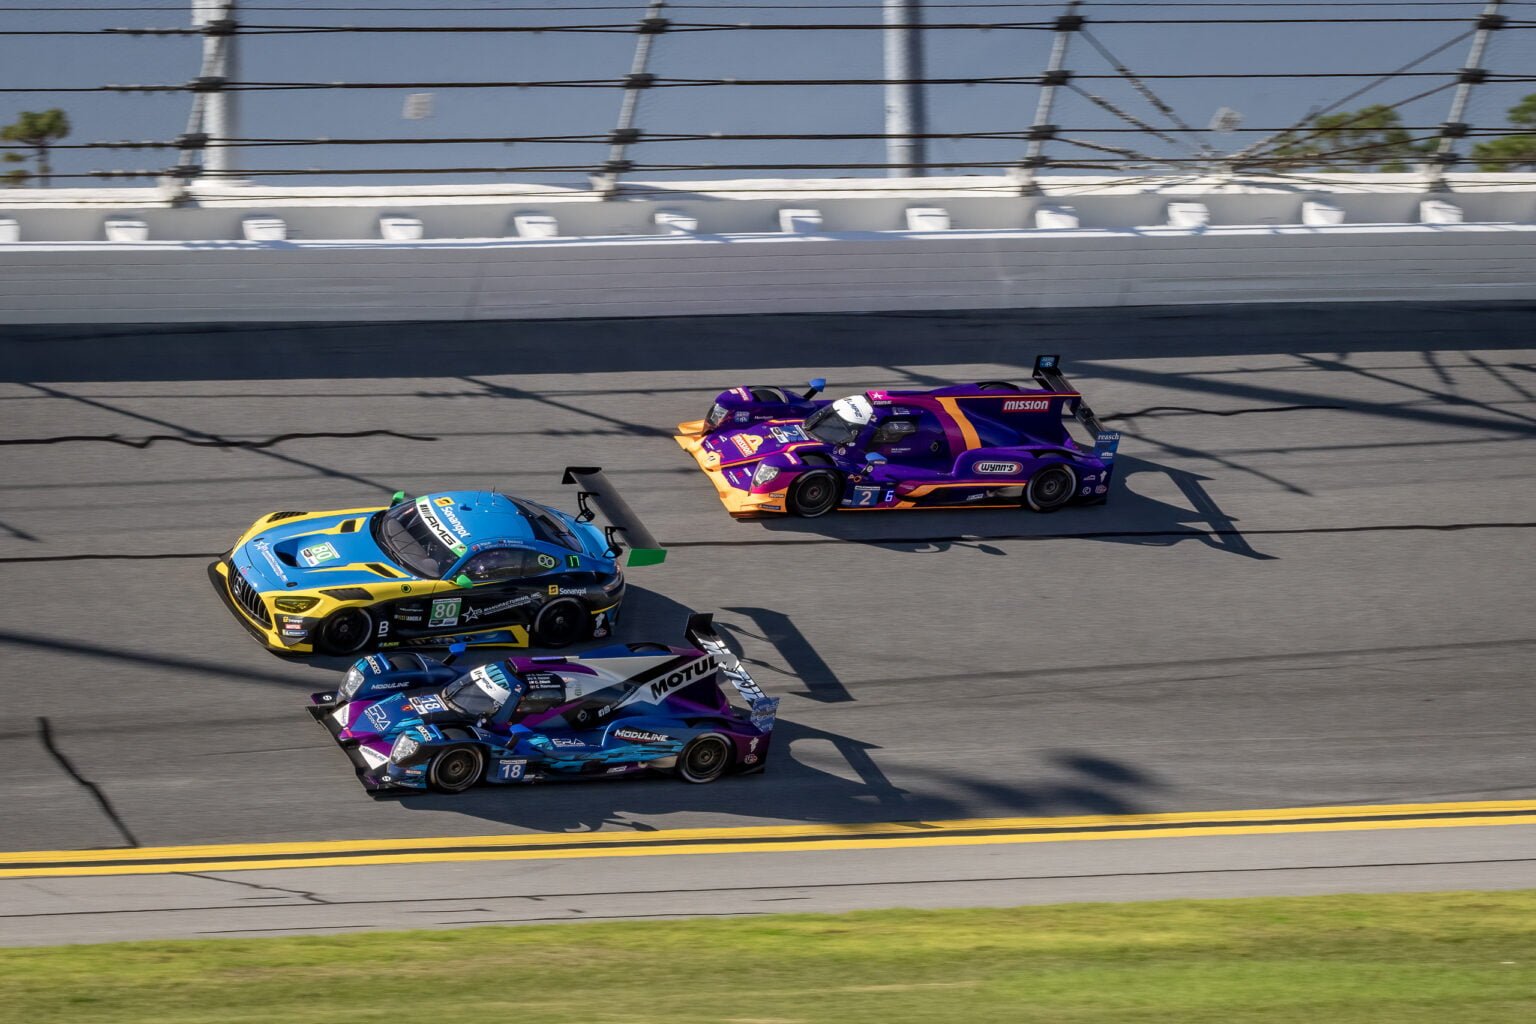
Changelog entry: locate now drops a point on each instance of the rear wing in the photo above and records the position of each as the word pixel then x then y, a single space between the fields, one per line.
pixel 597 490
pixel 1049 376
pixel 701 633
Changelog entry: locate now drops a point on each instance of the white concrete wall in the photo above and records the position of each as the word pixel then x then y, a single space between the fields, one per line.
pixel 165 282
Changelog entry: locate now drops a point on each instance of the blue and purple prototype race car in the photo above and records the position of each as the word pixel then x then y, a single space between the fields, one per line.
pixel 769 450
pixel 410 722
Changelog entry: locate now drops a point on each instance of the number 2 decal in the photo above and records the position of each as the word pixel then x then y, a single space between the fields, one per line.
pixel 865 497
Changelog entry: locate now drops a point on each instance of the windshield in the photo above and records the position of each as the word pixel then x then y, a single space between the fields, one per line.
pixel 406 539
pixel 826 425
pixel 478 693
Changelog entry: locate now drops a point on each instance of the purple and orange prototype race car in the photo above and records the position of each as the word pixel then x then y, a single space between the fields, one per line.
pixel 769 450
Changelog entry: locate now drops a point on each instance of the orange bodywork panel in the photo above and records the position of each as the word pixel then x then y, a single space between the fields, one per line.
pixel 690 436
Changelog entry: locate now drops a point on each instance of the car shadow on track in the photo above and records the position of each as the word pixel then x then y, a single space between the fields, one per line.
pixel 845 785
pixel 1129 517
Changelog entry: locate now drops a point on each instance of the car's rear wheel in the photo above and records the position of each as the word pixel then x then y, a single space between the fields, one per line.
pixel 345 632
pixel 1051 488
pixel 456 769
pixel 560 623
pixel 815 493
pixel 704 759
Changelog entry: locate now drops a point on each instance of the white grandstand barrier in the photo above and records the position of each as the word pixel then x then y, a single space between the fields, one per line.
pixel 773 272
pixel 125 229
pixel 1316 213
pixel 1438 211
pixel 800 222
pixel 264 228
pixel 10 230
pixel 1056 218
pixel 397 227
pixel 927 218
pixel 1188 215
pixel 674 222
pixel 535 225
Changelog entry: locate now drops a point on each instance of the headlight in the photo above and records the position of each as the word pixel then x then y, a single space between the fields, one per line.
pixel 350 684
pixel 716 414
pixel 765 475
pixel 404 747
pixel 296 604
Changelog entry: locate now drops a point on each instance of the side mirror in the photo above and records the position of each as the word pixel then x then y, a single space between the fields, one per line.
pixel 463 582
pixel 817 384
pixel 876 459
pixel 454 650
pixel 396 498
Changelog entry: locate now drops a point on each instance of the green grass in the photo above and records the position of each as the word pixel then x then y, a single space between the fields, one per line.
pixel 1442 957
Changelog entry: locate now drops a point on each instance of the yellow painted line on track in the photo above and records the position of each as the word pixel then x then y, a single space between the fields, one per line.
pixel 762 839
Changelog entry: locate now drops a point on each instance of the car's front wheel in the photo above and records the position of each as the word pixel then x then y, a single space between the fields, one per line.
pixel 704 759
pixel 345 632
pixel 456 769
pixel 815 493
pixel 1051 488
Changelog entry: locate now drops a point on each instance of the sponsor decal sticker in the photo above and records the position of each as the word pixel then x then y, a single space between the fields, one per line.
pixel 1087 490
pixel 445 612
pixel 480 613
pixel 1101 489
pixel 266 552
pixel 378 716
pixel 439 527
pixel 618 769
pixel 315 554
pixel 641 736
pixel 1026 405
pixel 747 444
pixel 547 561
pixel 689 673
pixel 999 468
pixel 427 704
pixel 556 590
pixel 750 759
pixel 743 417
pixel 789 435
pixel 445 501
pixel 566 741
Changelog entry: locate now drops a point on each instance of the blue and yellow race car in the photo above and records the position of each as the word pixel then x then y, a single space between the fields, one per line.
pixel 477 567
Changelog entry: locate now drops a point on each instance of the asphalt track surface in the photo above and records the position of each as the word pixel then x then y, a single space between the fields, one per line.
pixel 1311 587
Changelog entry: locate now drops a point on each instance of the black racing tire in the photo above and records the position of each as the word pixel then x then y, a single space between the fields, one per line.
pixel 349 631
pixel 456 769
pixel 560 623
pixel 815 493
pixel 1051 488
pixel 704 759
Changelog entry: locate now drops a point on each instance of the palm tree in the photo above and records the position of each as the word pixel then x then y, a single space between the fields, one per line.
pixel 38 130
pixel 1515 152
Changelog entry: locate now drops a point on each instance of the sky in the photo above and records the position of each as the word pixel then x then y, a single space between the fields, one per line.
pixel 51 62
